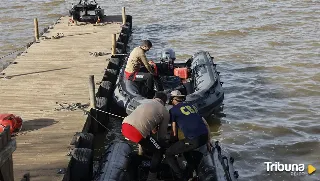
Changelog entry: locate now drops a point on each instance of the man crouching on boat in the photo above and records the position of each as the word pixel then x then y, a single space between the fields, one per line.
pixel 138 126
pixel 133 69
pixel 194 127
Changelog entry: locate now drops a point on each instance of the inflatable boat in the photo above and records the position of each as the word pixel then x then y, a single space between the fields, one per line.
pixel 196 77
pixel 121 163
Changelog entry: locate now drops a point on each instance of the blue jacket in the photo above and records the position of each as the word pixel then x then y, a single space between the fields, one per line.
pixel 188 120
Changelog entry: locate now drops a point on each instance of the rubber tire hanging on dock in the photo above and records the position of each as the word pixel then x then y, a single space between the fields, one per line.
pixel 81 168
pixel 123 38
pixel 86 140
pixel 105 88
pixel 110 74
pixel 101 102
pixel 113 63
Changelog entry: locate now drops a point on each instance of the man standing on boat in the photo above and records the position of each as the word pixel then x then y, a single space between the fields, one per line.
pixel 194 127
pixel 137 127
pixel 133 69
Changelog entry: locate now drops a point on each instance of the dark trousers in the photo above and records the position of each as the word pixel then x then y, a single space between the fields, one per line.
pixel 152 145
pixel 158 84
pixel 143 76
pixel 183 146
pixel 147 78
pixel 150 80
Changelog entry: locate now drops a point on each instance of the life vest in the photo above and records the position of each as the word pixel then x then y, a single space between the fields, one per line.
pixel 15 122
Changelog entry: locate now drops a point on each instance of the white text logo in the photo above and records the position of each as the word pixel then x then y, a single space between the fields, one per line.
pixel 155 143
pixel 294 169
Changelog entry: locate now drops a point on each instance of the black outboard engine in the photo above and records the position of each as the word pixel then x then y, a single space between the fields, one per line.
pixel 168 57
pixel 79 12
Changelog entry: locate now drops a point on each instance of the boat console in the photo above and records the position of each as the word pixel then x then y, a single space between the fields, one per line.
pixel 174 76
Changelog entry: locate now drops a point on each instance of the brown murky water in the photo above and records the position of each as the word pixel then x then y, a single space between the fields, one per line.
pixel 268 53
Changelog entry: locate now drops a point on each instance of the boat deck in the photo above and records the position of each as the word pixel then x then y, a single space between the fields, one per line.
pixel 53 72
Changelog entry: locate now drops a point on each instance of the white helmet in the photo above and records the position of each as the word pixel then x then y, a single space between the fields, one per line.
pixel 168 53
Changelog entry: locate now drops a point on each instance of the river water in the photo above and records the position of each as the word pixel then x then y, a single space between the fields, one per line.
pixel 268 53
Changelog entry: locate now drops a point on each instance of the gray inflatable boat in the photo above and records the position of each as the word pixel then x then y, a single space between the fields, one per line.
pixel 196 77
pixel 121 163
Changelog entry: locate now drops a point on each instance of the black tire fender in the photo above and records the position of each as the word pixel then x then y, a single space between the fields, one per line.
pixel 86 140
pixel 81 166
pixel 105 88
pixel 101 102
pixel 110 74
pixel 114 61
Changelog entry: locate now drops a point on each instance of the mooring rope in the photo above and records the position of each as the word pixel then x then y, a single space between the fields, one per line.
pixel 75 106
pixel 79 106
pixel 18 50
pixel 88 113
pixel 109 113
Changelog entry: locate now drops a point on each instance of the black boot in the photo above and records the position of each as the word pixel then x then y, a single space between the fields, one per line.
pixel 153 177
pixel 182 178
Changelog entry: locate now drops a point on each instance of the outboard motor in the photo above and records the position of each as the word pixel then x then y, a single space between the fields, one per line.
pixel 168 56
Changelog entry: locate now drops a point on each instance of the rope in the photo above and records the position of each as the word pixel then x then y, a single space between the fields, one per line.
pixel 87 112
pixel 79 106
pixel 109 113
pixel 18 50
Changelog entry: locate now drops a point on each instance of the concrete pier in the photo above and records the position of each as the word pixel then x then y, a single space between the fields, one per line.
pixel 53 71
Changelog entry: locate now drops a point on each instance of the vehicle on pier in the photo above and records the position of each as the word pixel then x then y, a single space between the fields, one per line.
pixel 86 11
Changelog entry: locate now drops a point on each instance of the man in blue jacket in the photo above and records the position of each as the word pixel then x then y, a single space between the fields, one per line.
pixel 194 127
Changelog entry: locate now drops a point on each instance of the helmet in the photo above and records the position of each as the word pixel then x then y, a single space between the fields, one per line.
pixel 168 53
